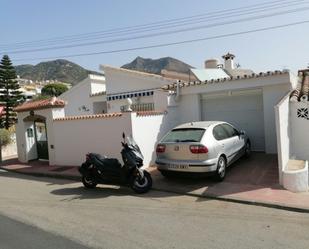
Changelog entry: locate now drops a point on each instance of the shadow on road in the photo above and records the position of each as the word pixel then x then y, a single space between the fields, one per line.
pixel 104 191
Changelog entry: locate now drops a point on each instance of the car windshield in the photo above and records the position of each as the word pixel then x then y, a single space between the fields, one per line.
pixel 184 135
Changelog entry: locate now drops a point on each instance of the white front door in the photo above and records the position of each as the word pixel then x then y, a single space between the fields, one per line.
pixel 31 147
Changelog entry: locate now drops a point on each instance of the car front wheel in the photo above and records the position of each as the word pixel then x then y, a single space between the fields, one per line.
pixel 221 169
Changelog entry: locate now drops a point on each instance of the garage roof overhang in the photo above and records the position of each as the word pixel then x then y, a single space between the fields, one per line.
pixel 253 81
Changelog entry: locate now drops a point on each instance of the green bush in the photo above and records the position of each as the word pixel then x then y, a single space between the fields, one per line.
pixel 40 97
pixel 5 137
pixel 55 89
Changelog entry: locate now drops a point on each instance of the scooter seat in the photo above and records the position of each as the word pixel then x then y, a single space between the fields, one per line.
pixel 99 157
pixel 105 163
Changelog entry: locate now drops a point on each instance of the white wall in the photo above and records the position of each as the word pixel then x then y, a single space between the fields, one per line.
pixel 147 131
pixel 120 81
pixel 78 97
pixel 283 134
pixel 271 97
pixel 21 138
pixel 189 108
pixel 75 138
pixel 300 132
pixel 160 100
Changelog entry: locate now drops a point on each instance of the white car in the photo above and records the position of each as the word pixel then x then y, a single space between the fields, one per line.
pixel 201 147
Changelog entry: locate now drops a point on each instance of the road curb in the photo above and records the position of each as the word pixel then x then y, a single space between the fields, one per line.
pixel 239 200
pixel 42 174
pixel 206 196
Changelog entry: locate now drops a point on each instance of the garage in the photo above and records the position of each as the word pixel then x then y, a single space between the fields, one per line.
pixel 241 108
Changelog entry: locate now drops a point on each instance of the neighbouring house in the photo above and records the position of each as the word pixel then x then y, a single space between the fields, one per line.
pixel 30 91
pixel 86 97
pixel 144 89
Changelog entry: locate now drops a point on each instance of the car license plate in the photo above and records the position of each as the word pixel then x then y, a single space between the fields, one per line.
pixel 177 166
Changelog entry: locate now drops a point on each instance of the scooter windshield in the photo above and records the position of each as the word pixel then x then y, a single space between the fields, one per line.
pixel 132 145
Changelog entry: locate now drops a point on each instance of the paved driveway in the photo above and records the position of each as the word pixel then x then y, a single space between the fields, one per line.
pixel 260 169
pixel 246 178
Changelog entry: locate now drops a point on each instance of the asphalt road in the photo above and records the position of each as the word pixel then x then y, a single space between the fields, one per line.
pixel 113 217
pixel 17 235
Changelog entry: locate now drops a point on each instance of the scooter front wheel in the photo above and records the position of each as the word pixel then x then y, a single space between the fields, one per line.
pixel 89 181
pixel 141 185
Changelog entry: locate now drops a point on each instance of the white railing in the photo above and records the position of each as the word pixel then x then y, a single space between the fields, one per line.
pixel 140 107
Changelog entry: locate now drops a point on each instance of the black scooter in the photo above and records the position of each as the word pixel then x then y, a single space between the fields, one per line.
pixel 100 169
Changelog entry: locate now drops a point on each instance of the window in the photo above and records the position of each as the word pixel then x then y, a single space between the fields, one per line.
pixel 231 131
pixel 29 132
pixel 219 133
pixel 184 135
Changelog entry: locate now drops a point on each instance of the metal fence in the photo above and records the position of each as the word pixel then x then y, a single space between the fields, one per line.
pixel 140 107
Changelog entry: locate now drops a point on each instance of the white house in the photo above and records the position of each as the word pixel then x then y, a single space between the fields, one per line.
pixel 86 97
pixel 221 92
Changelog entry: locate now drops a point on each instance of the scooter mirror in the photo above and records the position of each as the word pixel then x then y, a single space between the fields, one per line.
pixel 123 135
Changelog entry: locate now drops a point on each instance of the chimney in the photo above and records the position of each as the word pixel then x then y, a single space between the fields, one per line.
pixel 228 61
pixel 211 63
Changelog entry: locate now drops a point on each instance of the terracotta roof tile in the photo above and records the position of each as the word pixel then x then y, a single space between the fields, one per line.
pixel 214 81
pixel 301 92
pixel 40 104
pixel 95 116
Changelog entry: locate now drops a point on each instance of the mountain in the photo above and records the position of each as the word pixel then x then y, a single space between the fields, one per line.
pixel 155 66
pixel 60 70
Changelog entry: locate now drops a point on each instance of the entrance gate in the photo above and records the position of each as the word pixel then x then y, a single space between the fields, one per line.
pixel 41 139
pixel 37 142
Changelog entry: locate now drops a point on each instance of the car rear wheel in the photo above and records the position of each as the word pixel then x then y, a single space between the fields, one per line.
pixel 221 169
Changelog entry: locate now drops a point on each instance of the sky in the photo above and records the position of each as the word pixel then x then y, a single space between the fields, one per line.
pixel 275 49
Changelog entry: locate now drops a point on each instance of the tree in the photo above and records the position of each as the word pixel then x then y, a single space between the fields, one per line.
pixel 10 96
pixel 54 89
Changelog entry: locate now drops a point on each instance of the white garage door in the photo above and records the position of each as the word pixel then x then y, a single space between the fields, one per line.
pixel 243 109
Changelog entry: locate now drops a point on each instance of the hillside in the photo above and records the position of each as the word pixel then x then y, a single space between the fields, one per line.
pixel 60 70
pixel 155 66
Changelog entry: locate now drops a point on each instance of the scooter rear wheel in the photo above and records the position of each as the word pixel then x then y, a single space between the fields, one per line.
pixel 141 186
pixel 89 182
